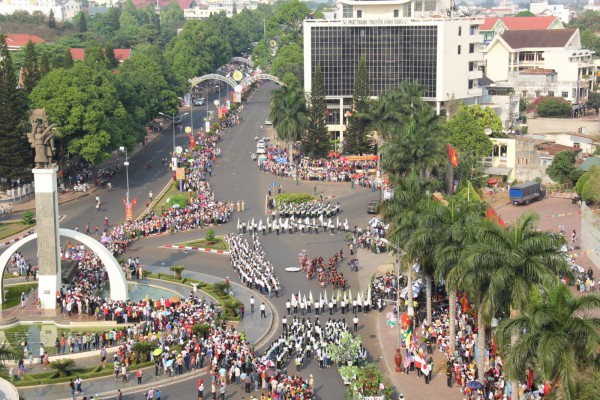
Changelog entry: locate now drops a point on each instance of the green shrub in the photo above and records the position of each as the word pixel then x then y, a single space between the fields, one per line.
pixel 63 366
pixel 27 218
pixel 210 236
pixel 293 197
pixel 180 199
pixel 178 269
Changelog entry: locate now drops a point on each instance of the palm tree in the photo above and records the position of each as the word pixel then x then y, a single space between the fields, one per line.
pixel 454 221
pixel 288 111
pixel 470 277
pixel 63 366
pixel 519 257
pixel 561 338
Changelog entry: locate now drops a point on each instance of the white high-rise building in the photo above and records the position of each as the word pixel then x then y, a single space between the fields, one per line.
pixel 412 40
pixel 10 6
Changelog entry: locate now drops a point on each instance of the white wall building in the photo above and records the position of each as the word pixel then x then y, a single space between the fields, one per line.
pixel 10 6
pixel 504 100
pixel 586 143
pixel 542 63
pixel 541 7
pixel 401 40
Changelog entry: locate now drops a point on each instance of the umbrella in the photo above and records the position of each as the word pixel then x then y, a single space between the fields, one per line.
pixel 157 352
pixel 175 299
pixel 475 385
pixel 169 363
pixel 269 363
pixel 105 239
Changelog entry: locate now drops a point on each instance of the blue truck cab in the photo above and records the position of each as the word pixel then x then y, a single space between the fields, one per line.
pixel 525 193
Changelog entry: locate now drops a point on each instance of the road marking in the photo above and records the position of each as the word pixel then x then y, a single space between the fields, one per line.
pixel 198 249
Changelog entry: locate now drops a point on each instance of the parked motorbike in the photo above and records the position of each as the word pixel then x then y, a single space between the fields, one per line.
pixel 253 157
pixel 575 199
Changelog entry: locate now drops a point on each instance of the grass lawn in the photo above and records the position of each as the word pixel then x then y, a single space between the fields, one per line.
pixel 10 228
pixel 13 294
pixel 218 244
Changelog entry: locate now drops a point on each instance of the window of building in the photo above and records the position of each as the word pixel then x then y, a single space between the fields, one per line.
pixel 524 93
pixel 396 13
pixel 430 6
pixel 407 10
pixel 472 48
pixel 459 49
pixel 346 11
pixel 471 66
pixel 471 84
pixel 565 94
pixel 418 6
pixel 395 54
pixel 358 13
pixel 459 30
pixel 473 29
pixel 577 145
pixel 503 150
pixel 538 93
pixel 551 93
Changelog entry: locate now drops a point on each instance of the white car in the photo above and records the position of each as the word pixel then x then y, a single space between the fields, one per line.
pixel 268 122
pixel 261 147
pixel 199 102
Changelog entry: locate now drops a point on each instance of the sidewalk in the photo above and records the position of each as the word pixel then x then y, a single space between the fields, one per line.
pixel 409 385
pixel 72 195
pixel 258 331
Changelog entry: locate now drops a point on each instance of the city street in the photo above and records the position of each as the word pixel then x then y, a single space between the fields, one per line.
pixel 235 177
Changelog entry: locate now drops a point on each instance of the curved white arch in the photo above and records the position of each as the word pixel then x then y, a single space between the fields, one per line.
pixel 243 60
pixel 251 79
pixel 116 277
pixel 199 79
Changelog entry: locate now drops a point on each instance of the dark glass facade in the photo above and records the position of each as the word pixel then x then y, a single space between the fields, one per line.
pixel 393 54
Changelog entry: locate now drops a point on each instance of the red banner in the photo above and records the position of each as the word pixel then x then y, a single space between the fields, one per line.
pixel 129 212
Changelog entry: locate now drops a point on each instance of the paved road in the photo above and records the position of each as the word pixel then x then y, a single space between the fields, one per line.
pixel 235 177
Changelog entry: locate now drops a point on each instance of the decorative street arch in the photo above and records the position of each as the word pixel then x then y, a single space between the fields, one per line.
pixel 243 60
pixel 116 278
pixel 199 79
pixel 251 79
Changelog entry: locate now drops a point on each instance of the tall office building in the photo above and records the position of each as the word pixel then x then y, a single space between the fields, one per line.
pixel 401 40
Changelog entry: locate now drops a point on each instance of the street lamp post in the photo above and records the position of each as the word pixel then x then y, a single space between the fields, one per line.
pixel 126 164
pixel 400 253
pixel 173 124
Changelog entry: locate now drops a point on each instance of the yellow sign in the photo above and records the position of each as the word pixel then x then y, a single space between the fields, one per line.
pixel 180 173
pixel 237 75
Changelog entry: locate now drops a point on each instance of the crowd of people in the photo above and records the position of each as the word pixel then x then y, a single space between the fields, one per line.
pixel 334 169
pixel 251 264
pixel 326 275
pixel 303 340
pixel 292 225
pixel 201 210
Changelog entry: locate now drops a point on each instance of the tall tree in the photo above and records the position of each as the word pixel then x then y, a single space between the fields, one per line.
pixel 30 69
pixel 81 22
pixel 83 101
pixel 44 65
pixel 288 111
pixel 16 159
pixel 68 59
pixel 356 139
pixel 561 338
pixel 51 20
pixel 315 143
pixel 109 53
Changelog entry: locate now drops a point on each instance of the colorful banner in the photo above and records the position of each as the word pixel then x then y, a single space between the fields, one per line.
pixel 128 211
pixel 180 173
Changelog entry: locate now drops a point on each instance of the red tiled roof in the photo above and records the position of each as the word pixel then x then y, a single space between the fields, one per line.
pixel 537 71
pixel 528 23
pixel 519 23
pixel 20 40
pixel 185 4
pixel 122 54
pixel 488 23
pixel 554 148
pixel 78 54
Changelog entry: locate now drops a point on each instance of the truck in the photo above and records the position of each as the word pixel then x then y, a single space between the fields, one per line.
pixel 525 193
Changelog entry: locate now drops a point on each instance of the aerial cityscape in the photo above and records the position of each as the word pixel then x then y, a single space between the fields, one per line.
pixel 293 200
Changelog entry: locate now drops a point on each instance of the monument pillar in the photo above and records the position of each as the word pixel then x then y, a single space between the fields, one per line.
pixel 46 205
